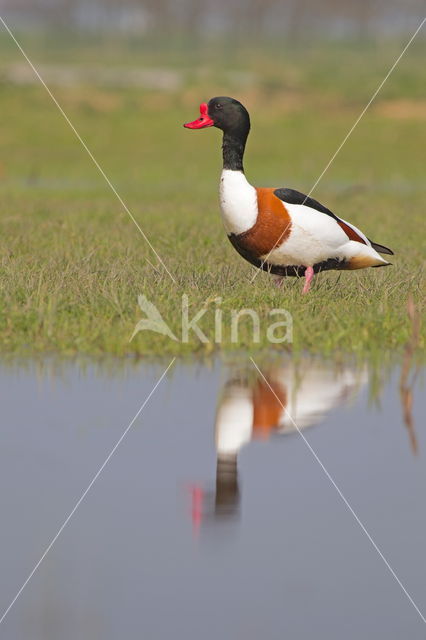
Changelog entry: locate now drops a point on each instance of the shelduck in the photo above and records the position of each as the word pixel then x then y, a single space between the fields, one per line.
pixel 281 231
pixel 265 409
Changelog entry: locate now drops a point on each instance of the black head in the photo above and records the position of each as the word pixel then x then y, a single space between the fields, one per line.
pixel 232 118
pixel 226 114
pixel 229 115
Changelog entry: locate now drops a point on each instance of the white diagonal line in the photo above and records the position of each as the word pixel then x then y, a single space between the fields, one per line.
pixel 86 491
pixel 88 151
pixel 342 496
pixel 264 261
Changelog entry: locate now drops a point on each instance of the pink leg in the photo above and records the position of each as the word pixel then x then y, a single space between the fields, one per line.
pixel 309 274
pixel 278 281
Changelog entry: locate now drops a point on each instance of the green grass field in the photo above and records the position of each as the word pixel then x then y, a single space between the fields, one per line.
pixel 73 263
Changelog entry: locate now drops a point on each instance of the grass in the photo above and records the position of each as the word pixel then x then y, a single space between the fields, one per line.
pixel 73 263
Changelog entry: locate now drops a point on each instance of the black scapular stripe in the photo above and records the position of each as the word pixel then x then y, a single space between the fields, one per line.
pixel 295 197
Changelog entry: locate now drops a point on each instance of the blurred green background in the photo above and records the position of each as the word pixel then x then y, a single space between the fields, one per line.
pixel 128 74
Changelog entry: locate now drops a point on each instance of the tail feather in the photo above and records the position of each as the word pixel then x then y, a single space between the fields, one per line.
pixel 381 249
pixel 360 256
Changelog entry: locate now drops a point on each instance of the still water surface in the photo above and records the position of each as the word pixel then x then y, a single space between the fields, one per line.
pixel 213 518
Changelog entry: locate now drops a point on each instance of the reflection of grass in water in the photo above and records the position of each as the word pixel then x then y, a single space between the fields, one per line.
pixel 73 264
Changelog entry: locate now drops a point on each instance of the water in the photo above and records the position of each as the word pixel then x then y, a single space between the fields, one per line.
pixel 210 520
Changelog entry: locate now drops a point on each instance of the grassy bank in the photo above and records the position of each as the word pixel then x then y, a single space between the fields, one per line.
pixel 73 263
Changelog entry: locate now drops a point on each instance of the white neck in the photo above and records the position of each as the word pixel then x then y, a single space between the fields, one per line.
pixel 234 420
pixel 238 202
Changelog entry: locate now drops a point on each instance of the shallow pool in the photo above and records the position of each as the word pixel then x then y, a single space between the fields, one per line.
pixel 219 513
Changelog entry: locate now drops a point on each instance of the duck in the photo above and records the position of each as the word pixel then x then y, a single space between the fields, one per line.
pixel 279 230
pixel 265 408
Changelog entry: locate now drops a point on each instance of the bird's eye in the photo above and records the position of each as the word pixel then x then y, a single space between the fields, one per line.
pixel 218 106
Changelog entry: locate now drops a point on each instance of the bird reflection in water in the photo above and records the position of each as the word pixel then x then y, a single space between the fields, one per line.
pixel 251 407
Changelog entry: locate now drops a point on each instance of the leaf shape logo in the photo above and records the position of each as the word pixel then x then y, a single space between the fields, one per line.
pixel 153 321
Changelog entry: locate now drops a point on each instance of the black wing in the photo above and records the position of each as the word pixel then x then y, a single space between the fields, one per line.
pixel 381 249
pixel 295 197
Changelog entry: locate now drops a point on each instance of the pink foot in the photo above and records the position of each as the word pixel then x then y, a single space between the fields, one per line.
pixel 278 281
pixel 309 274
